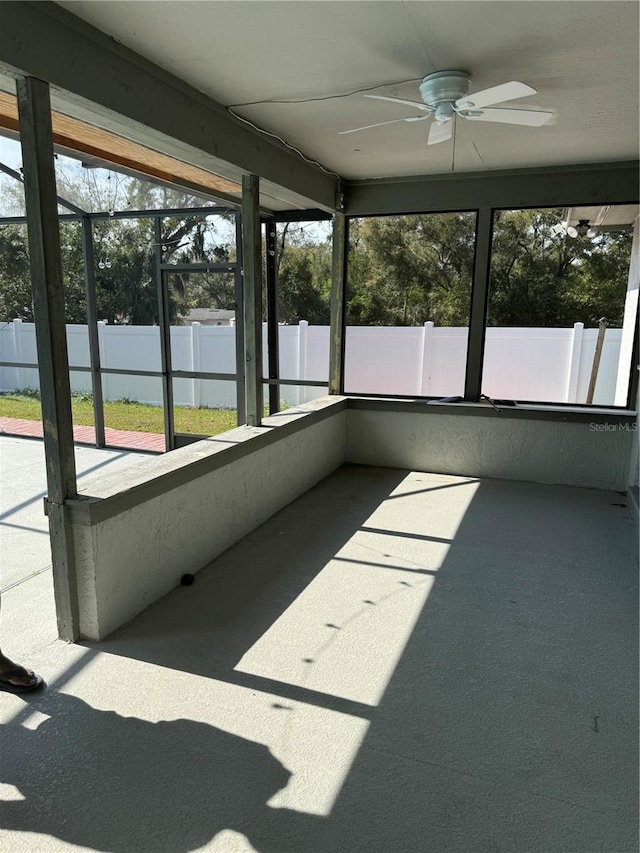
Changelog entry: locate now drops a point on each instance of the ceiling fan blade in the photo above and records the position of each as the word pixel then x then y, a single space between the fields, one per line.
pixel 496 95
pixel 530 118
pixel 440 132
pixel 416 104
pixel 380 123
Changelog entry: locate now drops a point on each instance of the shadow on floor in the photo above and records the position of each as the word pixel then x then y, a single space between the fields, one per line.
pixel 122 784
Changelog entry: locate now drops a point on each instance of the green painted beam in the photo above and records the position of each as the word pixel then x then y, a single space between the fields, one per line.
pixel 53 362
pixel 103 79
pixel 561 186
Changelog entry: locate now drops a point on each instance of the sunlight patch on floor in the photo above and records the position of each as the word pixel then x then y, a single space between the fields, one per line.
pixel 318 747
pixel 229 841
pixel 346 632
pixel 9 793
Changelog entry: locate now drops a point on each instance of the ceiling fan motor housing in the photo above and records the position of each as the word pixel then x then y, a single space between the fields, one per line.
pixel 444 87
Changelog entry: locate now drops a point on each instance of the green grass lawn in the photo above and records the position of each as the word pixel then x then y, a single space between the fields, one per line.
pixel 124 415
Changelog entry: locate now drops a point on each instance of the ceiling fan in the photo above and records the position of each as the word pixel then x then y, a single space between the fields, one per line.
pixel 445 95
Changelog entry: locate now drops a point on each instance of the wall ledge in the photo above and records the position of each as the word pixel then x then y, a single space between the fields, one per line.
pixel 104 496
pixel 521 411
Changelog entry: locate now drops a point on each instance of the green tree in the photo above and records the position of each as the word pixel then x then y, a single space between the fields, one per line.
pixel 409 269
pixel 126 287
pixel 303 266
pixel 600 285
pixel 403 270
pixel 406 270
pixel 543 278
pixel 125 249
pixel 73 274
pixel 16 301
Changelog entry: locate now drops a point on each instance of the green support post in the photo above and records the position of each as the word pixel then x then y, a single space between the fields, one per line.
pixel 36 137
pixel 252 286
pixel 92 325
pixel 479 303
pixel 271 274
pixel 338 314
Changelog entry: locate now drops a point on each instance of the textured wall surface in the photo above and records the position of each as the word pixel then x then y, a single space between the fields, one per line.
pixel 174 514
pixel 131 559
pixel 541 451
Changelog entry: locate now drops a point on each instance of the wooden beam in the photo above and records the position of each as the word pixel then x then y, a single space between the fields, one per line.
pixel 78 136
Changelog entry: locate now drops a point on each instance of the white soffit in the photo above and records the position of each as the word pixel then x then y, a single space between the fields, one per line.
pixel 581 56
pixel 607 217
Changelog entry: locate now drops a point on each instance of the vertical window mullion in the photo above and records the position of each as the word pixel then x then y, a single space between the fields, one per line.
pixel 479 303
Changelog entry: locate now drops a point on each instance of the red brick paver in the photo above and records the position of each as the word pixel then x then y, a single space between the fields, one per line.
pixel 86 435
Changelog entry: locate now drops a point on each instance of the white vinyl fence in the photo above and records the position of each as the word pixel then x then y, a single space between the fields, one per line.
pixel 547 365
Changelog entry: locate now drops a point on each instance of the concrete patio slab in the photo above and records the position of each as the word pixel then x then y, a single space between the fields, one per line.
pixel 395 662
pixel 24 537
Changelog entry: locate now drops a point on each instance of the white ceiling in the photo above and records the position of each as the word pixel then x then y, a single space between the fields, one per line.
pixel 581 56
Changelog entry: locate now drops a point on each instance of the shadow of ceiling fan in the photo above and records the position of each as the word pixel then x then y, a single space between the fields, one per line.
pixel 445 95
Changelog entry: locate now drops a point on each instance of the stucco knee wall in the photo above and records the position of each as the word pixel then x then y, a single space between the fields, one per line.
pixel 130 559
pixel 543 451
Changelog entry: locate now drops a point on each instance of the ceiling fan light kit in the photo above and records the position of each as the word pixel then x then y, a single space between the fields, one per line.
pixel 445 95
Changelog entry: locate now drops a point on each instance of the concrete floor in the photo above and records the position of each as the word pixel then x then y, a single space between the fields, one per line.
pixel 396 662
pixel 24 536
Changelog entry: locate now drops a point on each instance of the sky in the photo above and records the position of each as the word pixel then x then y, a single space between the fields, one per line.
pixel 10 153
pixel 99 184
